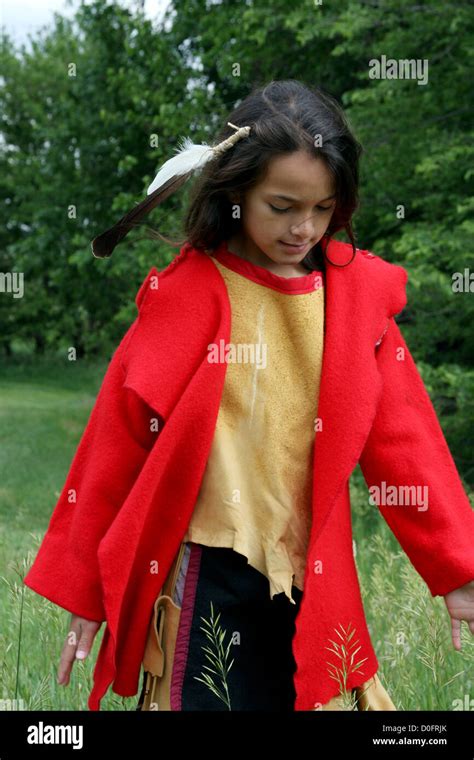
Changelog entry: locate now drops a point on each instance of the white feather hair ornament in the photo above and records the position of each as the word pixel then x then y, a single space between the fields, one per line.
pixel 190 157
pixel 171 176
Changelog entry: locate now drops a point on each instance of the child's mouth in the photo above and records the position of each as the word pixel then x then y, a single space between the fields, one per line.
pixel 294 248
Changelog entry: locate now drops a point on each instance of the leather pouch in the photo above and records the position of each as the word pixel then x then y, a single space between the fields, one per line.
pixel 159 649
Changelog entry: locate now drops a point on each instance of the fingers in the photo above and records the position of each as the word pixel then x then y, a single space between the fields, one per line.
pixel 85 642
pixel 77 646
pixel 456 633
pixel 68 655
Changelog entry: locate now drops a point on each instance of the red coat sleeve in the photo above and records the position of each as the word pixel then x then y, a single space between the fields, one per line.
pixel 406 446
pixel 109 457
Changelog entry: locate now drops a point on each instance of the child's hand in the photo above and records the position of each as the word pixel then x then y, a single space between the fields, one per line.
pixel 85 631
pixel 460 604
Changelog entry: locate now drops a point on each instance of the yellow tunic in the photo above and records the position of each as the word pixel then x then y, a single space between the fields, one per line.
pixel 256 492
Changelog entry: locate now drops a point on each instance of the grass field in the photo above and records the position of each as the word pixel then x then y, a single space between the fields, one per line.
pixel 44 406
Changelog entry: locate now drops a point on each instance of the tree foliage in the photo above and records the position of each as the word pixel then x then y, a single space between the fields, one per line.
pixel 99 102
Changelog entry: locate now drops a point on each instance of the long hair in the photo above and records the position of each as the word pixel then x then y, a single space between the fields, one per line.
pixel 285 116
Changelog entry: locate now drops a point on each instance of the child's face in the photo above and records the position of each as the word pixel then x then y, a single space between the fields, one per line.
pixel 264 230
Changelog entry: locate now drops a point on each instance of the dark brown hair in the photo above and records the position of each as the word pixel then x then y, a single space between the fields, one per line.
pixel 285 116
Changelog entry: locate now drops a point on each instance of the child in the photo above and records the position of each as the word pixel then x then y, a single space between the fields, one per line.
pixel 206 515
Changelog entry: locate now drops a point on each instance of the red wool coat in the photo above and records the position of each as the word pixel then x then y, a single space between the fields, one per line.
pixel 136 489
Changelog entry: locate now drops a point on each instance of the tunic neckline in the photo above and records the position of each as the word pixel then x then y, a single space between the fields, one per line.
pixel 292 285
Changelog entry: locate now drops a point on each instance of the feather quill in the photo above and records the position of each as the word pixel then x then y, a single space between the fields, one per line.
pixel 103 245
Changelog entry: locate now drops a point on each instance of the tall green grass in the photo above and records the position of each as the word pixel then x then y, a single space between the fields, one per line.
pixel 44 406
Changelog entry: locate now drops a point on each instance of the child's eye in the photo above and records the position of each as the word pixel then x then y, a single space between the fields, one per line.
pixel 284 210
pixel 278 210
